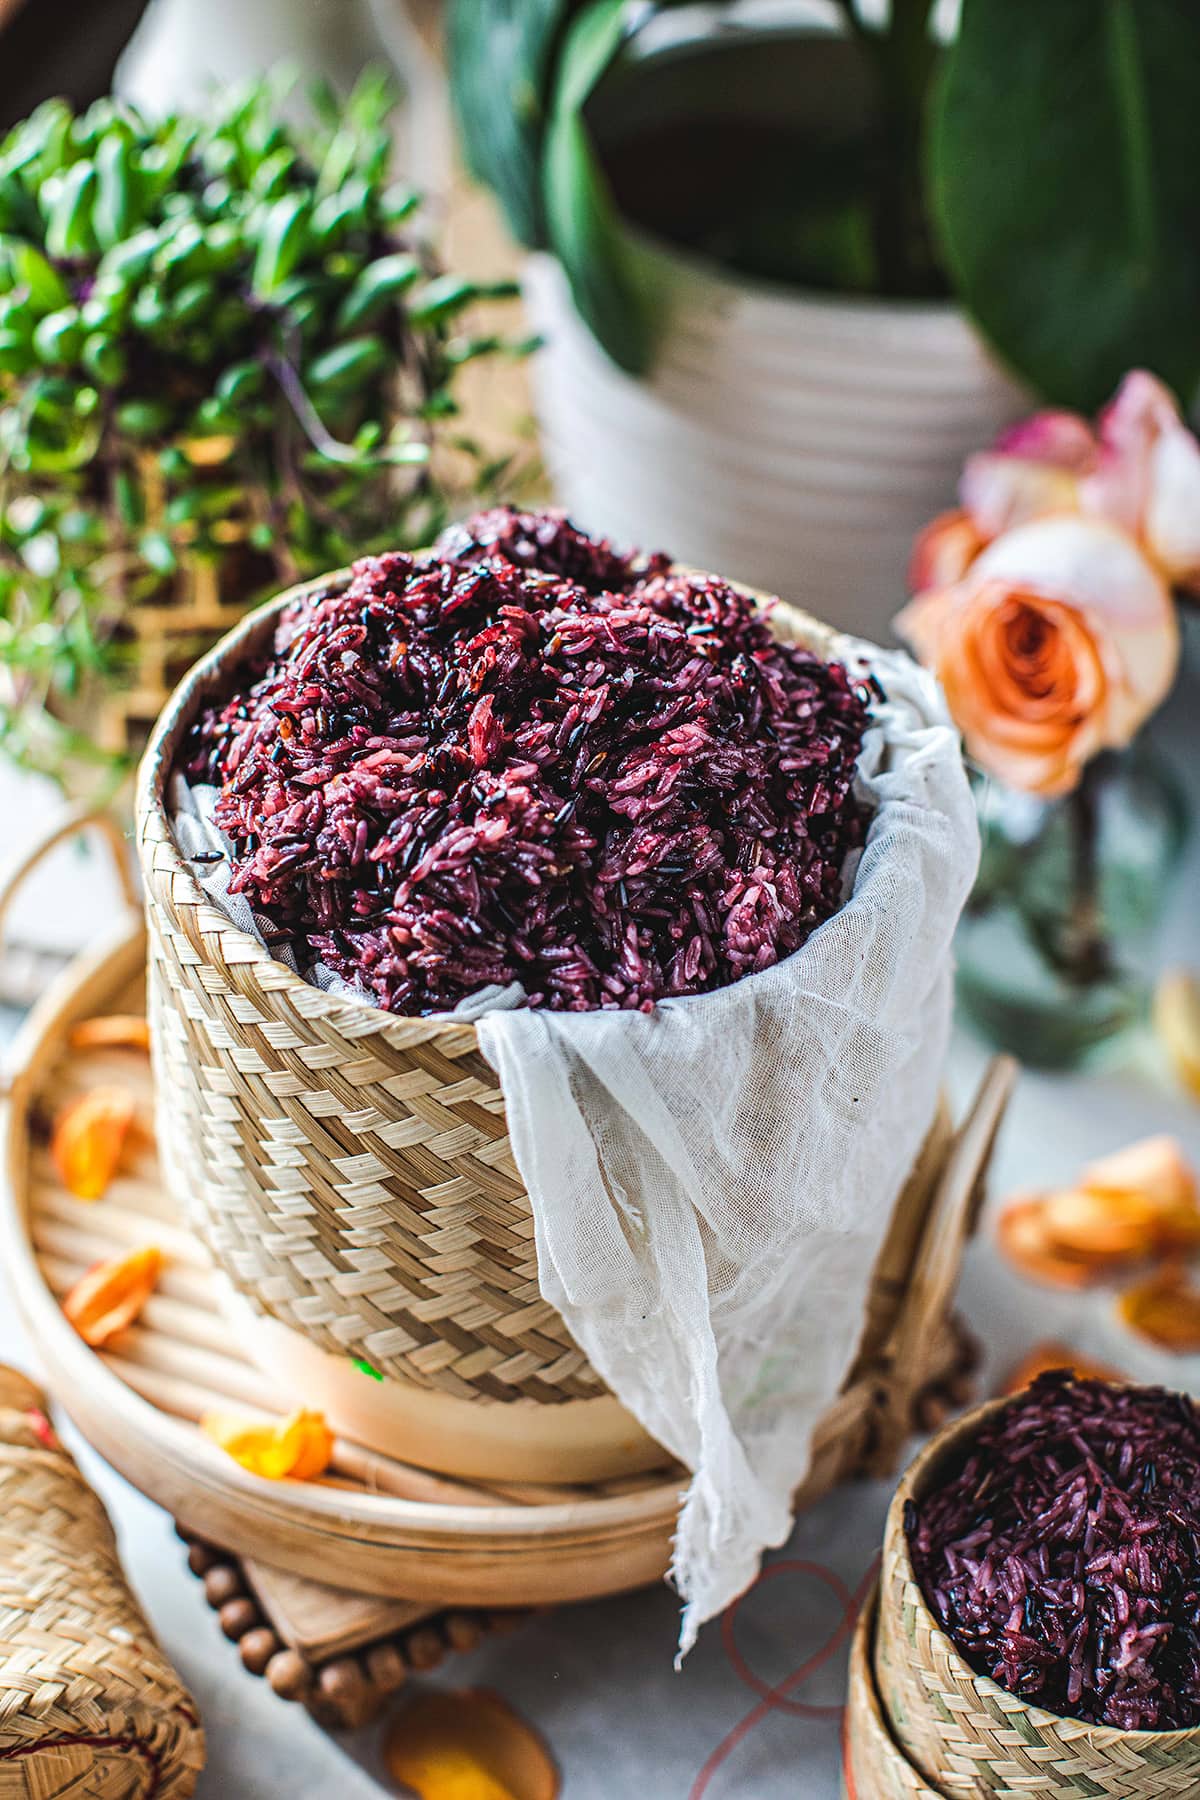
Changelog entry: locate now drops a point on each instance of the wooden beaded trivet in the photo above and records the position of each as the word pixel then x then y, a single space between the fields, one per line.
pixel 341 1655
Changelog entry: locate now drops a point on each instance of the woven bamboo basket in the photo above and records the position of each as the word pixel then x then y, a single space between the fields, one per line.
pixel 873 1765
pixel 89 1705
pixel 350 1170
pixel 380 1524
pixel 970 1737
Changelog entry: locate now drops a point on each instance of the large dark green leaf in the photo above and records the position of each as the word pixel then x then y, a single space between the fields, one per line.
pixel 501 55
pixel 1065 162
pixel 582 222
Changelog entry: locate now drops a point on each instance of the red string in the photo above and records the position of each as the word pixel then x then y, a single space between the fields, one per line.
pixel 774 1698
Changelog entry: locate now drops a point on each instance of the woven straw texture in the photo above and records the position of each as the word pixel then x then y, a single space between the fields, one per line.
pixel 968 1736
pixel 873 1768
pixel 350 1170
pixel 89 1706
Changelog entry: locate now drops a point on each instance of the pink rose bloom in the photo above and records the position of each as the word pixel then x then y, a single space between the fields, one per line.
pixel 1139 467
pixel 1043 604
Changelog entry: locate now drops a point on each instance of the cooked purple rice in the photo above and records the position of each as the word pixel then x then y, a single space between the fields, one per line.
pixel 1063 1555
pixel 528 757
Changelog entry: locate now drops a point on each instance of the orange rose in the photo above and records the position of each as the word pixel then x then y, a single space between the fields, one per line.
pixel 1055 642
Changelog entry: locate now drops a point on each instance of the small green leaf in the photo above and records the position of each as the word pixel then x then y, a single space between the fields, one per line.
pixel 349 365
pixel 156 550
pixel 283 236
pixel 375 289
pixel 57 338
pixel 40 279
pixel 69 227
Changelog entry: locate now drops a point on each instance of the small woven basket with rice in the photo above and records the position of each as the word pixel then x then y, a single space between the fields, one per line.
pixel 922 1722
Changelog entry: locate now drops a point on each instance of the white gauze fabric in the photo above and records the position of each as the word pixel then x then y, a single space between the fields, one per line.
pixel 711 1182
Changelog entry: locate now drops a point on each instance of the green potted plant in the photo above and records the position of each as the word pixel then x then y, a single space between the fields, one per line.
pixel 792 264
pixel 227 360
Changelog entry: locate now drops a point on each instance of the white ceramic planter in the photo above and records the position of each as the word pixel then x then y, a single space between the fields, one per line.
pixel 793 442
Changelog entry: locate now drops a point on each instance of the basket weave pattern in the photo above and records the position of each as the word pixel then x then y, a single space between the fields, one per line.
pixel 349 1169
pixel 89 1706
pixel 972 1739
pixel 873 1768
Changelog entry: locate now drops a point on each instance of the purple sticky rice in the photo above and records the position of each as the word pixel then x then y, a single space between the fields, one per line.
pixel 528 757
pixel 1062 1556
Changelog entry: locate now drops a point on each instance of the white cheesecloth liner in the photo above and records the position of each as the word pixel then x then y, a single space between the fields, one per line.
pixel 711 1182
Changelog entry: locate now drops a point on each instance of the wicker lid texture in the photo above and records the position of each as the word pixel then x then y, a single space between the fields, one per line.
pixel 89 1705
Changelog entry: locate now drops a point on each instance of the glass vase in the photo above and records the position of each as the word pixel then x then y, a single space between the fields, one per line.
pixel 1055 948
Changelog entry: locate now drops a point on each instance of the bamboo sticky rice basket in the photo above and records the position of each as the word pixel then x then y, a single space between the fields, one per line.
pixel 350 1169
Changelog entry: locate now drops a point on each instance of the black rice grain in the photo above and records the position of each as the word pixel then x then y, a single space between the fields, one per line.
pixel 1063 1555
pixel 526 756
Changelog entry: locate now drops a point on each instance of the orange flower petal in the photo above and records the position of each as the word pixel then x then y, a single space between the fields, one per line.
pixel 296 1448
pixel 1166 1310
pixel 1153 1166
pixel 89 1136
pixel 116 1031
pixel 1022 1237
pixel 1045 1357
pixel 1112 1227
pixel 468 1746
pixel 111 1296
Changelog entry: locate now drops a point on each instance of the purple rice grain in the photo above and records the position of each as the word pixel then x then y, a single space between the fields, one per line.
pixel 525 756
pixel 1062 1556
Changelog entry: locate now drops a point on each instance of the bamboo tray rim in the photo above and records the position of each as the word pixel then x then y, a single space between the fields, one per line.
pixel 580 1521
pixel 946 1445
pixel 205 679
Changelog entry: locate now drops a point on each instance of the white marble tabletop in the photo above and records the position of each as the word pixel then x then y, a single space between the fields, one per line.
pixel 598 1679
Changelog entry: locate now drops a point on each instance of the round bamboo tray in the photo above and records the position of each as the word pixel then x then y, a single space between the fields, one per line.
pixel 873 1766
pixel 379 1524
pixel 349 1169
pixel 89 1705
pixel 968 1735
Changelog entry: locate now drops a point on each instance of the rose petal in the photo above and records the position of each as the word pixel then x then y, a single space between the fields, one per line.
pixel 1099 570
pixel 111 1296
pixel 1177 1021
pixel 1022 1237
pixel 1172 518
pixel 468 1745
pixel 943 552
pixel 298 1448
pixel 1165 1309
pixel 89 1136
pixel 1000 491
pixel 1154 1167
pixel 1111 1227
pixel 111 1031
pixel 1148 475
pixel 1054 436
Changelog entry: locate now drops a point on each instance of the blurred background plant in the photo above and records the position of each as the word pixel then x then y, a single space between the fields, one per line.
pixel 1036 165
pixel 792 259
pixel 227 360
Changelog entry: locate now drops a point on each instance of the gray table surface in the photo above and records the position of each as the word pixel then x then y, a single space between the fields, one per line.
pixel 598 1679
